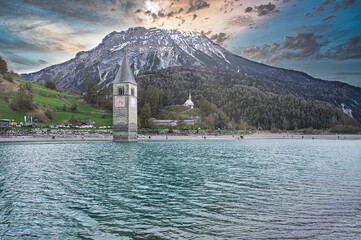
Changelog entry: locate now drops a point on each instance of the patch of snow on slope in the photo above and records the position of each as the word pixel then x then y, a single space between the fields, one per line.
pixel 220 52
pixel 119 47
pixel 346 110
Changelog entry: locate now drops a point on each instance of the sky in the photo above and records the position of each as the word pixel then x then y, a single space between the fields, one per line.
pixel 321 38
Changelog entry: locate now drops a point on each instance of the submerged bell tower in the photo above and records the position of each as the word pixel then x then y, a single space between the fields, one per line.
pixel 125 120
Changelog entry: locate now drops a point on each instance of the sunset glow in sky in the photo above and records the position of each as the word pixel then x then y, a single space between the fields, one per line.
pixel 321 38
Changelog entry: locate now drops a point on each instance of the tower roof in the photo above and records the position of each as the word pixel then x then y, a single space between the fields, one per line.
pixel 124 74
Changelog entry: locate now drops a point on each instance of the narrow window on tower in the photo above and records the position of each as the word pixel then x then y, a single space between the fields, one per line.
pixel 133 92
pixel 121 91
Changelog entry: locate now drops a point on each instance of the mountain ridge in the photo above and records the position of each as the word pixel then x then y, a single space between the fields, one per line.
pixel 156 49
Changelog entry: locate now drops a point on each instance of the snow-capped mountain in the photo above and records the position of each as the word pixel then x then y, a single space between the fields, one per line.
pixel 155 49
pixel 146 49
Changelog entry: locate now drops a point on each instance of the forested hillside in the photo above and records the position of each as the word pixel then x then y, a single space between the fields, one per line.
pixel 245 101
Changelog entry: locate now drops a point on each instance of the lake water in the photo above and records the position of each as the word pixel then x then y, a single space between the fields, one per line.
pixel 263 189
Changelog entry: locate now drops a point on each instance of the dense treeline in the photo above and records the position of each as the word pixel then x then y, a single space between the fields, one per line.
pixel 150 101
pixel 3 66
pixel 245 101
pixel 4 71
pixel 157 98
pixel 24 98
pixel 225 99
pixel 50 84
pixel 286 113
pixel 98 95
pixel 212 115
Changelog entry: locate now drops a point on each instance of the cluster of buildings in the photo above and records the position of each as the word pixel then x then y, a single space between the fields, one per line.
pixel 5 125
pixel 174 123
pixel 8 123
pixel 28 122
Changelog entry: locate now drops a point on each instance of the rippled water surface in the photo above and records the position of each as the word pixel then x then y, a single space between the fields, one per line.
pixel 181 190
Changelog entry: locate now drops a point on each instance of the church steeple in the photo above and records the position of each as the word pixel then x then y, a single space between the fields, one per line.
pixel 124 74
pixel 125 117
pixel 189 102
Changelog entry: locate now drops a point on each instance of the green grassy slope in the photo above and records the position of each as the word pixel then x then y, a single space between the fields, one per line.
pixel 179 112
pixel 45 98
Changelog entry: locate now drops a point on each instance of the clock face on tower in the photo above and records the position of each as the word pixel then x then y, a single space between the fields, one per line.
pixel 133 102
pixel 119 101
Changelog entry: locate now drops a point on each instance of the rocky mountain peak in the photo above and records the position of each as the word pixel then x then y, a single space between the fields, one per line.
pixel 147 50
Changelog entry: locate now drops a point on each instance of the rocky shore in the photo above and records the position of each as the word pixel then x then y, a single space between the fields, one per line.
pixel 42 134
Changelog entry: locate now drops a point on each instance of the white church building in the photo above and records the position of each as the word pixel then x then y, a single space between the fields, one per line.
pixel 189 102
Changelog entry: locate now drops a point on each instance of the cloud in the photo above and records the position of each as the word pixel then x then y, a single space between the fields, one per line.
pixel 254 52
pixel 174 13
pixel 306 43
pixel 151 14
pixel 16 59
pixel 20 44
pixel 42 38
pixel 42 61
pixel 301 46
pixel 171 14
pixel 312 28
pixel 349 2
pixel 351 49
pixel 181 19
pixel 90 11
pixel 55 40
pixel 36 25
pixel 305 46
pixel 195 5
pixel 240 21
pixel 328 17
pixel 336 6
pixel 266 9
pixel 206 33
pixel 161 14
pixel 332 6
pixel 219 38
pixel 347 73
pixel 248 9
pixel 321 6
pixel 263 9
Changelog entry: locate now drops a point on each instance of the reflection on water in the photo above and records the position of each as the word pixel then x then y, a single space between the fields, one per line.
pixel 181 189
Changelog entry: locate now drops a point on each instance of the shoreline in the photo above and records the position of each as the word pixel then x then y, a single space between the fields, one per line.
pixel 170 137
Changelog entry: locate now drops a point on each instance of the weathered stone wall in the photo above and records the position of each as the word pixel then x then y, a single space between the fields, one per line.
pixel 124 116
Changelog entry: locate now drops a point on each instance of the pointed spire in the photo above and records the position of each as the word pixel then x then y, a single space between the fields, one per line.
pixel 190 97
pixel 124 74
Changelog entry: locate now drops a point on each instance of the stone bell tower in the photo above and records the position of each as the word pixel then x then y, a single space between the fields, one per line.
pixel 125 120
